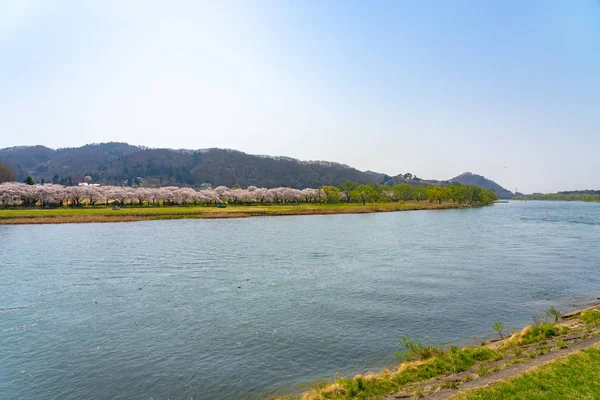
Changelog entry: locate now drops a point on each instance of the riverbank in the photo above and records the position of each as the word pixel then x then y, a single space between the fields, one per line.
pixel 481 372
pixel 86 214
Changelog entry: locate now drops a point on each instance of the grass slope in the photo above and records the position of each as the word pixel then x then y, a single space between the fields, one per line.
pixel 576 377
pixel 428 369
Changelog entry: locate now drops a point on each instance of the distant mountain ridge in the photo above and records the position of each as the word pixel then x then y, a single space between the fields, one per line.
pixel 121 163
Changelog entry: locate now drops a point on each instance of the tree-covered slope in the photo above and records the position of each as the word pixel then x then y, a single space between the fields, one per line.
pixel 117 163
pixel 122 163
pixel 469 178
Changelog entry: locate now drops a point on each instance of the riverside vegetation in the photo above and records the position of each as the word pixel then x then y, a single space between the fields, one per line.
pixel 454 372
pixel 581 195
pixel 576 377
pixel 35 203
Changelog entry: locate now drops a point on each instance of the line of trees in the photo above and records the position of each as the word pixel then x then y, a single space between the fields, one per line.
pixel 461 194
pixel 561 197
pixel 22 194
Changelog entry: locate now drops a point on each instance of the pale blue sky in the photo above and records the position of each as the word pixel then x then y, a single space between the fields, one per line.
pixel 507 89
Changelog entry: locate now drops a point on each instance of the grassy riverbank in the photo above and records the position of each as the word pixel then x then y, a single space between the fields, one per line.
pixel 575 377
pixel 467 373
pixel 84 214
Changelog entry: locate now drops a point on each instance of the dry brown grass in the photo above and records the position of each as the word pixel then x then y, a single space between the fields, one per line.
pixel 332 390
pixel 408 365
pixel 368 377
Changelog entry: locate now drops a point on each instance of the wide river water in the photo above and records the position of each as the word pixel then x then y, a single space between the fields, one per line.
pixel 243 308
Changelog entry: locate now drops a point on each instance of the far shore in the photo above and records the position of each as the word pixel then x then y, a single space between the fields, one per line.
pixel 87 214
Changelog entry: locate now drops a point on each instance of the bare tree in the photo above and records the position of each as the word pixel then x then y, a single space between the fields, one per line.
pixel 7 174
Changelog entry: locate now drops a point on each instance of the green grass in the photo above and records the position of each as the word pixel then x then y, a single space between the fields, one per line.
pixel 415 350
pixel 371 387
pixel 539 333
pixel 535 334
pixel 577 377
pixel 67 214
pixel 96 210
pixel 425 362
pixel 591 318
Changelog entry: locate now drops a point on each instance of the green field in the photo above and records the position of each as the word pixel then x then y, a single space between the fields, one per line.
pixel 134 213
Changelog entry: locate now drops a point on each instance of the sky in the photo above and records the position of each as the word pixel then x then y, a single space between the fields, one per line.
pixel 507 89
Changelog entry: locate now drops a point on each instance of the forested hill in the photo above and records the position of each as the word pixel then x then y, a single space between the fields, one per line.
pixel 469 178
pixel 121 163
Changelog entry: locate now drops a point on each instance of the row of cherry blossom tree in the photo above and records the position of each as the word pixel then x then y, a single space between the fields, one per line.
pixel 12 194
pixel 22 194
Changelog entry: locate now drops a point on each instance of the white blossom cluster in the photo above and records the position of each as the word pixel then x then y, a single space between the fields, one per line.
pixel 12 193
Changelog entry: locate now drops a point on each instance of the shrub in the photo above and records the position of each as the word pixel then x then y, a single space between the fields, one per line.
pixel 537 319
pixel 499 328
pixel 415 350
pixel 534 334
pixel 540 333
pixel 553 313
pixel 458 360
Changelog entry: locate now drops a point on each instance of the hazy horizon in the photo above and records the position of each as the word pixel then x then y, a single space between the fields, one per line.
pixel 508 90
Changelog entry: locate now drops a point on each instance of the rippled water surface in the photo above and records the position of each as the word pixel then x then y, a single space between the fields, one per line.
pixel 240 308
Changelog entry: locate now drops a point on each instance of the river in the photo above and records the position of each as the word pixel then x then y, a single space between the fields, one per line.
pixel 243 308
